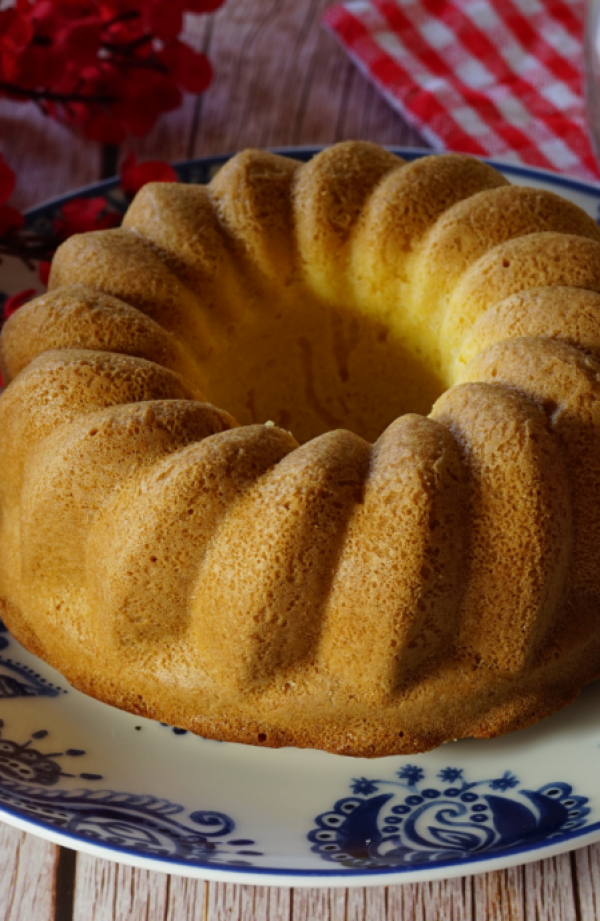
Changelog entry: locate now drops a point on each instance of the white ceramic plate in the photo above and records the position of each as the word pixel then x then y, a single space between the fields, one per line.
pixel 90 777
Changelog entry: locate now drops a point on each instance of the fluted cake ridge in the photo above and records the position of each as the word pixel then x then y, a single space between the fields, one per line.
pixel 310 455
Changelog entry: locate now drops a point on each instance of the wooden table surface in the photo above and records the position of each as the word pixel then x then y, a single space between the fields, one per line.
pixel 281 80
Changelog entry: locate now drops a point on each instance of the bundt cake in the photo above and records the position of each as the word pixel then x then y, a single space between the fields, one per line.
pixel 377 582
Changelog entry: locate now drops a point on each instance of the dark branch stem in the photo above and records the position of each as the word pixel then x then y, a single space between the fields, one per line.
pixel 110 160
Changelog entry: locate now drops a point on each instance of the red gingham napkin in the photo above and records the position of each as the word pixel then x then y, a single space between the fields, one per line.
pixel 499 78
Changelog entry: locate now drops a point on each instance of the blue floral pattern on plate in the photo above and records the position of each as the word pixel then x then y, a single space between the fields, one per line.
pixel 406 821
pixel 118 820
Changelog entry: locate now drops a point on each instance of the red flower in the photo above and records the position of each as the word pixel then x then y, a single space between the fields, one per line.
pixel 165 19
pixel 111 67
pixel 100 127
pixel 148 95
pixel 83 214
pixel 97 119
pixel 12 304
pixel 35 67
pixel 10 219
pixel 44 272
pixel 7 180
pixel 190 68
pixel 80 41
pixel 16 31
pixel 134 175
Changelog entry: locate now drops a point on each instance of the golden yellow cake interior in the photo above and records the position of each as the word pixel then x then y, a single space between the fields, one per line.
pixel 311 455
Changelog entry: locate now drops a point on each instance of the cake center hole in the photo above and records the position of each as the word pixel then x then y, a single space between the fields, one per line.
pixel 310 367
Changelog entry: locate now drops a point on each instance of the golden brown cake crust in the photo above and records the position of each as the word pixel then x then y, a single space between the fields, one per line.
pixel 223 504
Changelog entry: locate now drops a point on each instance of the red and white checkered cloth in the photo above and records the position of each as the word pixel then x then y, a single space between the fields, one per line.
pixel 499 78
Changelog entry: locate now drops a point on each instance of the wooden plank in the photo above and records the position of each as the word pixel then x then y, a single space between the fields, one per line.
pixel 549 890
pixel 586 864
pixel 27 879
pixel 186 899
pixel 355 904
pixel 368 116
pixel 228 902
pixel 365 904
pixel 447 900
pixel 107 891
pixel 49 158
pixel 500 896
pixel 282 80
pixel 224 902
pixel 310 905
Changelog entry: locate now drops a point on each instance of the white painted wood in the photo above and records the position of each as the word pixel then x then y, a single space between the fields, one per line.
pixel 27 878
pixel 355 904
pixel 107 891
pixel 227 902
pixel 376 903
pixel 587 882
pixel 449 900
pixel 140 894
pixel 224 902
pixel 280 904
pixel 310 905
pixel 338 899
pixel 363 904
pixel 186 899
pixel 549 890
pixel 500 896
pixel 265 903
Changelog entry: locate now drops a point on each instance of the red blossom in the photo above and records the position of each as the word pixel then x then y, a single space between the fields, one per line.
pixel 44 272
pixel 7 180
pixel 109 67
pixel 36 66
pixel 79 41
pixel 12 304
pixel 165 19
pixel 190 68
pixel 81 215
pixel 122 32
pixel 16 31
pixel 146 97
pixel 101 127
pixel 134 175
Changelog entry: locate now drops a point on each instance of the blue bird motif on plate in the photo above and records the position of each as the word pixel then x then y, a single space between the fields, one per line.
pixel 407 821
